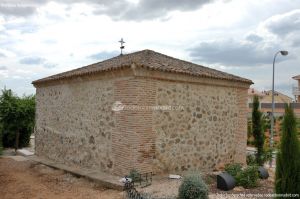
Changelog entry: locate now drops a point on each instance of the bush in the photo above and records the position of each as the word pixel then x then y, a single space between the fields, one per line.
pixel 135 175
pixel 287 176
pixel 267 156
pixel 233 169
pixel 251 161
pixel 193 187
pixel 248 178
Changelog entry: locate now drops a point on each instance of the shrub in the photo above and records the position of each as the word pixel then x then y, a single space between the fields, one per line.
pixel 287 176
pixel 249 132
pixel 1 146
pixel 257 130
pixel 250 159
pixel 233 169
pixel 248 178
pixel 193 187
pixel 267 155
pixel 135 175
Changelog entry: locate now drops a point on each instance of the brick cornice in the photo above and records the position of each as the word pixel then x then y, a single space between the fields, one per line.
pixel 124 73
pixel 139 71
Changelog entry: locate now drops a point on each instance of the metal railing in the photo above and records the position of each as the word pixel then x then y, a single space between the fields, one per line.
pixel 141 180
pixel 132 193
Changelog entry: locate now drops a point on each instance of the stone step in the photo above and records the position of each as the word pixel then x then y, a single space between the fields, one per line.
pixel 101 178
pixel 24 152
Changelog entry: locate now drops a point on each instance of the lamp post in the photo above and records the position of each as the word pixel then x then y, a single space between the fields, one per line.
pixel 283 53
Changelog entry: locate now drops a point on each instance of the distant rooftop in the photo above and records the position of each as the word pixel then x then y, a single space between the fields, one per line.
pixel 150 60
pixel 296 77
pixel 266 96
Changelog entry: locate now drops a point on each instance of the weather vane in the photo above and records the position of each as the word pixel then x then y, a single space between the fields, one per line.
pixel 122 47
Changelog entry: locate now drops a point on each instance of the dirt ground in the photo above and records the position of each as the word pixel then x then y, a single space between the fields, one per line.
pixel 30 180
pixel 25 179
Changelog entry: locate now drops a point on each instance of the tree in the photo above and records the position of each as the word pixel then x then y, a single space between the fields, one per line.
pixel 1 147
pixel 288 157
pixel 16 118
pixel 257 131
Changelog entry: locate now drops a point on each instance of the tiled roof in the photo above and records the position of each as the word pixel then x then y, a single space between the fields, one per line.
pixel 150 60
pixel 278 97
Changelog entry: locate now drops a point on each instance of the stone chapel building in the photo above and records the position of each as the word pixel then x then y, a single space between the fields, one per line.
pixel 143 110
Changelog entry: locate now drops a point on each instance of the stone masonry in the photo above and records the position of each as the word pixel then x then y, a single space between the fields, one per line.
pixel 204 129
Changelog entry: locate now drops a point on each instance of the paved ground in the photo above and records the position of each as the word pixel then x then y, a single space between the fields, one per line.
pixel 23 179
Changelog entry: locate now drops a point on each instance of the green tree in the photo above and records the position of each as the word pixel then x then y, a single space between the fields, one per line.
pixel 257 131
pixel 16 118
pixel 1 145
pixel 288 157
pixel 249 131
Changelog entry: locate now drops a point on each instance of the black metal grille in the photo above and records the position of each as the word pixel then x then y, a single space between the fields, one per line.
pixel 132 193
pixel 144 180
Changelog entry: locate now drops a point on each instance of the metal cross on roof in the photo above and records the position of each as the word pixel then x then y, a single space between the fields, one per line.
pixel 122 47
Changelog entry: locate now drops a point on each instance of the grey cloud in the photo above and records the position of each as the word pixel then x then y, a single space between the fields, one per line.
pixel 296 43
pixel 254 38
pixel 2 55
pixel 117 9
pixel 17 11
pixel 32 60
pixel 23 27
pixel 145 9
pixel 284 24
pixel 104 55
pixel 233 53
pixel 49 65
pixel 37 61
pixel 3 68
pixel 20 8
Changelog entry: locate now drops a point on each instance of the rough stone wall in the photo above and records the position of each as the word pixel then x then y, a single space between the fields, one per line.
pixel 75 123
pixel 205 134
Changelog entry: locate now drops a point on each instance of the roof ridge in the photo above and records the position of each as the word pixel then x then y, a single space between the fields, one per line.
pixel 191 63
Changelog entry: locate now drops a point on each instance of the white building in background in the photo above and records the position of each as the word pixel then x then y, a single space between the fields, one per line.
pixel 296 89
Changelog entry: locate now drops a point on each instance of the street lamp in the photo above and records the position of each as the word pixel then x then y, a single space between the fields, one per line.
pixel 283 53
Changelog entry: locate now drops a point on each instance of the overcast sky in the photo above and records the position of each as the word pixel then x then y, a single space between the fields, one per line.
pixel 39 38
